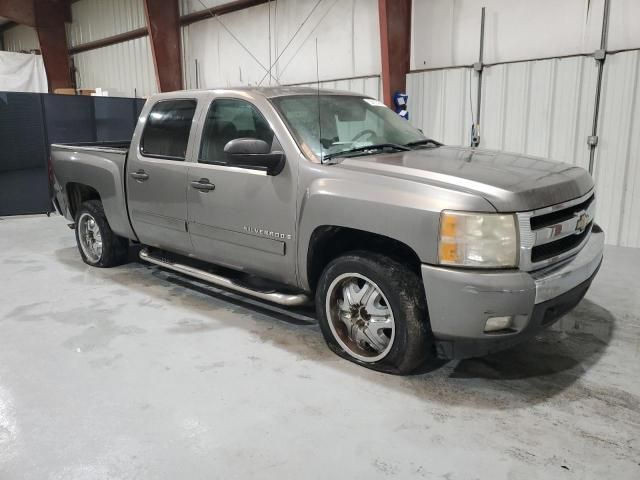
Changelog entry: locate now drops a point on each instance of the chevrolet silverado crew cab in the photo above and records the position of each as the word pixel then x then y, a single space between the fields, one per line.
pixel 410 249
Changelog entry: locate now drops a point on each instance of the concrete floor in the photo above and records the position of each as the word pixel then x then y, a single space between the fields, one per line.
pixel 126 373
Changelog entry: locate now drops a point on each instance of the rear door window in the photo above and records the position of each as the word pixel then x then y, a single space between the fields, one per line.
pixel 166 133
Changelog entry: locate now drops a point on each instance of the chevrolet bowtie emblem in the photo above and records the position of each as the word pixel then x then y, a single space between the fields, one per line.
pixel 582 222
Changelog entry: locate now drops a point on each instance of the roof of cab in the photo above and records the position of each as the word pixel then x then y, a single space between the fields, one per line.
pixel 268 92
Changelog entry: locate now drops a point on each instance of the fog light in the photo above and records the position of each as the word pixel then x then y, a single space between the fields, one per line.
pixel 498 323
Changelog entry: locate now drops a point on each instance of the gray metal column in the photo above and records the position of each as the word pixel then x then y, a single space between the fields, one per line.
pixel 600 57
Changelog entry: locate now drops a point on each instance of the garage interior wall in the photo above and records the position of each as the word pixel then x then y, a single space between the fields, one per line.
pixel 539 80
pixel 346 31
pixel 21 38
pixel 538 89
pixel 123 69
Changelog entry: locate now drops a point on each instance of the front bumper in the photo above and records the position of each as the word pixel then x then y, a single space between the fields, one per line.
pixel 461 301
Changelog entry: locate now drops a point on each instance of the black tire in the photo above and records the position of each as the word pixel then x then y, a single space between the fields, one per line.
pixel 115 249
pixel 412 345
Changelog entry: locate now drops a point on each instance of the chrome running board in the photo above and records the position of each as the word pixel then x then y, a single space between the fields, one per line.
pixel 286 299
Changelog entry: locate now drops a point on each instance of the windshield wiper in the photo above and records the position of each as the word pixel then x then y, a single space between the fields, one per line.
pixel 379 146
pixel 426 141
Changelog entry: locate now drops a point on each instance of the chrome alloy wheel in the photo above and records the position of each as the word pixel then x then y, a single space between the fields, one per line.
pixel 360 317
pixel 90 237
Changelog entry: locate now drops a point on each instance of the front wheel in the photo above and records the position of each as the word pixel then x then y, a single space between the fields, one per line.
pixel 98 245
pixel 372 311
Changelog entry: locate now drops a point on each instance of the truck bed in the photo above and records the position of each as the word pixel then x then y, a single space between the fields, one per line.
pixel 100 166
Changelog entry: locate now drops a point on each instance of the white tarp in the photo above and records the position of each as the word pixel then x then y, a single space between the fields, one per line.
pixel 22 72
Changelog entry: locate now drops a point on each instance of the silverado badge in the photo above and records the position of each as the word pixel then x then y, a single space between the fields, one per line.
pixel 266 233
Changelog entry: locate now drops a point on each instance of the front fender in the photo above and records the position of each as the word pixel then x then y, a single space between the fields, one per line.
pixel 406 211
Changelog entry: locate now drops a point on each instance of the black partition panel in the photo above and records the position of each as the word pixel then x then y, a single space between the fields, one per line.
pixel 30 122
pixel 139 105
pixel 115 118
pixel 24 186
pixel 69 118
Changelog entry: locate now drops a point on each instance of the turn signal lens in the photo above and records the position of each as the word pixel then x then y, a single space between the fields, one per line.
pixel 483 240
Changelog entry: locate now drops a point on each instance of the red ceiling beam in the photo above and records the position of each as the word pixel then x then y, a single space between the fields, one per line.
pixel 113 40
pixel 395 43
pixel 24 12
pixel 18 11
pixel 163 23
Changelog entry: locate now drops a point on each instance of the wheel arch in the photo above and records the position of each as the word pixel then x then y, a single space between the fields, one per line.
pixel 77 194
pixel 328 242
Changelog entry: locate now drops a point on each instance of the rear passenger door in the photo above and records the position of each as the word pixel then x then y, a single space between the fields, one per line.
pixel 246 219
pixel 157 176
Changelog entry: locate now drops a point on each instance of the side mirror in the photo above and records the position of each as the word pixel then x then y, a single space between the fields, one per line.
pixel 254 154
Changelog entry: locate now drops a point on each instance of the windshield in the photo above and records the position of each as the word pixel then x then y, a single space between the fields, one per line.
pixel 345 123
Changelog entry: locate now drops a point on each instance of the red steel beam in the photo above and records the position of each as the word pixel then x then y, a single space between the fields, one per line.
pixel 114 39
pixel 50 16
pixel 395 45
pixel 220 10
pixel 163 23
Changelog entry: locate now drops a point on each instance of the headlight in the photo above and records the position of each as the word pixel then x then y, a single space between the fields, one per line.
pixel 483 240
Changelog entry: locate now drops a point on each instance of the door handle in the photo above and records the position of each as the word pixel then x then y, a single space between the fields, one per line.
pixel 203 185
pixel 140 175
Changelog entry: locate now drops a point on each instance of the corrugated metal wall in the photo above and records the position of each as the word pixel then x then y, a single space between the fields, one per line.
pixel 127 68
pixel 545 108
pixel 269 32
pixel 446 32
pixel 617 164
pixel 370 86
pixel 21 38
pixel 123 69
pixel 440 103
pixel 97 19
pixel 542 108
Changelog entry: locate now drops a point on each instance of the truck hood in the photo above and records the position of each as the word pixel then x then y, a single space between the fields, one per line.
pixel 510 182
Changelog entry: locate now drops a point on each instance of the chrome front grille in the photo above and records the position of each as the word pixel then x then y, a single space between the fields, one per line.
pixel 552 234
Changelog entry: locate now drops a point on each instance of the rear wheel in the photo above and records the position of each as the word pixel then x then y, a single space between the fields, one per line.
pixel 372 311
pixel 98 245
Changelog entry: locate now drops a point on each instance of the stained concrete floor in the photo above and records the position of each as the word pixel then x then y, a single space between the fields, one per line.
pixel 126 373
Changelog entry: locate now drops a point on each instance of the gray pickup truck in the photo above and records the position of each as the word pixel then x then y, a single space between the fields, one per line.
pixel 409 248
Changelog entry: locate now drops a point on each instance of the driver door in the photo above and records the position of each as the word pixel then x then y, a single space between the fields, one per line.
pixel 240 217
